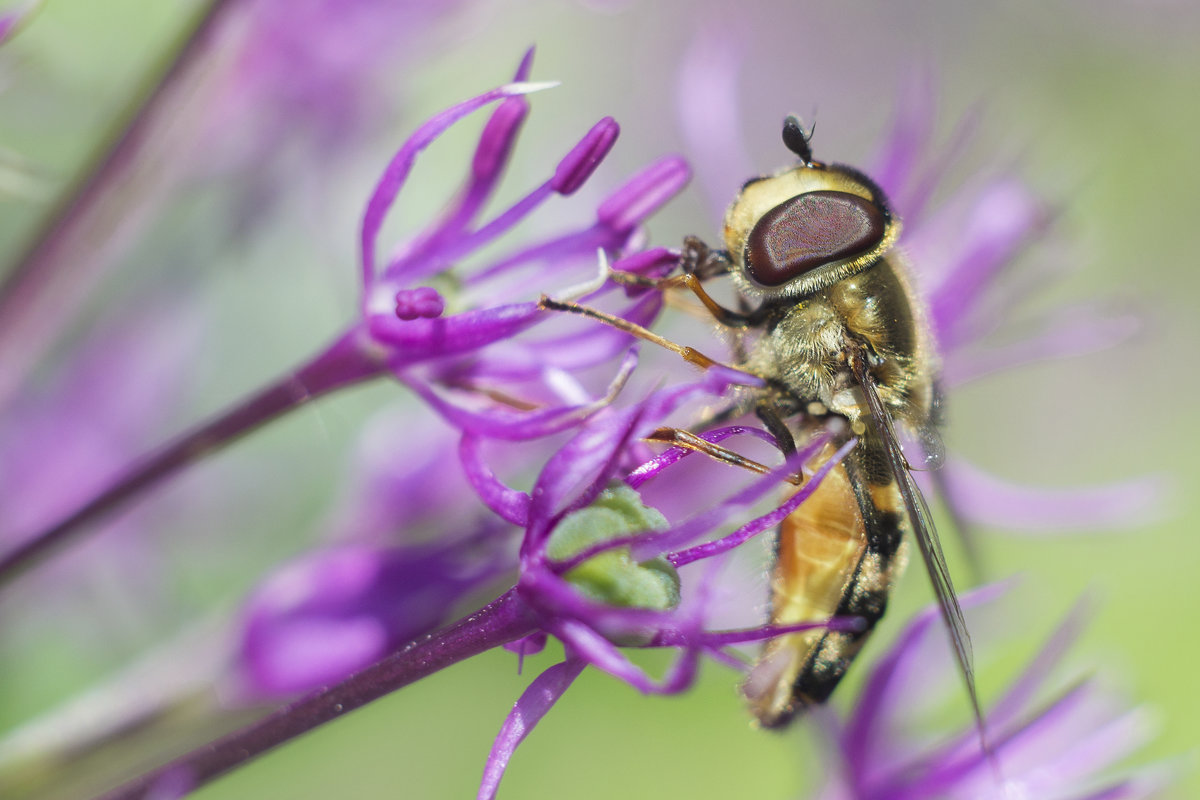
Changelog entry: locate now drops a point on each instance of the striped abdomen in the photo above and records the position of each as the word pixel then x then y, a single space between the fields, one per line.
pixel 836 555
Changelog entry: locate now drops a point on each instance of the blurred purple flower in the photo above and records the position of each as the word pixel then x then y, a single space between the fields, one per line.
pixel 11 19
pixel 65 438
pixel 268 91
pixel 334 611
pixel 1064 749
pixel 310 68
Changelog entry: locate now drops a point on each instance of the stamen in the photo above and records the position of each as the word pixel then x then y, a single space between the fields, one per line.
pixel 579 164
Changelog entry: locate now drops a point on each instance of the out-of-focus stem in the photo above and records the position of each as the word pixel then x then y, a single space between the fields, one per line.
pixel 109 205
pixel 503 620
pixel 348 360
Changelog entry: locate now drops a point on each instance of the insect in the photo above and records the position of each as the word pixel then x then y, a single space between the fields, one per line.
pixel 827 318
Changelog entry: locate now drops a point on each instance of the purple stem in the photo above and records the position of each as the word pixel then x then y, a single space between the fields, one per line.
pixel 347 361
pixel 56 274
pixel 505 619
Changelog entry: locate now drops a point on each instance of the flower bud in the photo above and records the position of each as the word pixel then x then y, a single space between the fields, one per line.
pixel 612 576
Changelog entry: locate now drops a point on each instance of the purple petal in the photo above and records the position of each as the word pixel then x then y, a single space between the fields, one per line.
pixel 987 500
pixel 1072 332
pixel 764 632
pixel 427 253
pixel 509 504
pixel 497 140
pixel 1002 220
pixel 599 652
pixel 528 711
pixel 767 521
pixel 884 691
pixel 577 472
pixel 680 535
pixel 499 422
pixel 707 106
pixel 397 170
pixel 644 194
pixel 906 142
pixel 673 455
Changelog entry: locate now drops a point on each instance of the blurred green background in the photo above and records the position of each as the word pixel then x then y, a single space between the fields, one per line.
pixel 1094 104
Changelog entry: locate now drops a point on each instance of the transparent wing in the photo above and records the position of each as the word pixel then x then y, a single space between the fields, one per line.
pixel 927 539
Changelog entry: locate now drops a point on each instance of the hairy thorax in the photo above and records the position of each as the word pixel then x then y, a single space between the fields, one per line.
pixel 807 344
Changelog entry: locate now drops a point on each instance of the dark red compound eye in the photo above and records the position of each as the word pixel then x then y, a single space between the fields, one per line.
pixel 810 230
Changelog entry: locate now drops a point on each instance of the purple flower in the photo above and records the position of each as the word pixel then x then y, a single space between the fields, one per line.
pixel 1063 748
pixel 434 341
pixel 599 569
pixel 69 436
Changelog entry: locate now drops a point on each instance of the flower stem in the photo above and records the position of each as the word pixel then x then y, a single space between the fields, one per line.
pixel 348 360
pixel 114 198
pixel 503 620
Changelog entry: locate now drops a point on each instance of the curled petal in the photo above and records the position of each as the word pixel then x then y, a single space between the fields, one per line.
pixel 598 651
pixel 397 170
pixel 509 504
pixel 528 711
pixel 767 521
pixel 689 531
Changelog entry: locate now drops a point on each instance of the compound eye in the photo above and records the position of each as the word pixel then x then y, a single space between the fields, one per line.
pixel 810 230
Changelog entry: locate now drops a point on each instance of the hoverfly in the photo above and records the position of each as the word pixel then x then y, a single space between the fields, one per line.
pixel 832 326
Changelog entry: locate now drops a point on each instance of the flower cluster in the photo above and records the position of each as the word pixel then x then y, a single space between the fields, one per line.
pixel 434 520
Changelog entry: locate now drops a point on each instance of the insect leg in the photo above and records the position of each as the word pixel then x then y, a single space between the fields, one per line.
pixel 700 260
pixel 689 354
pixel 690 441
pixel 723 315
pixel 773 421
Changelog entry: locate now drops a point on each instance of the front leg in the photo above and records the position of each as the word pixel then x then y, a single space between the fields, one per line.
pixel 698 259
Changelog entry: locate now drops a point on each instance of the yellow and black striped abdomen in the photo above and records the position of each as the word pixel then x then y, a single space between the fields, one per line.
pixel 836 555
